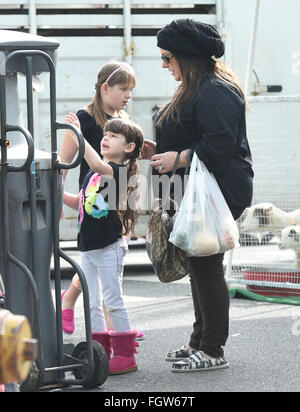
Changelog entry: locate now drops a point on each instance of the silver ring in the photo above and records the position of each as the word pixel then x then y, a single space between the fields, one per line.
pixel 160 168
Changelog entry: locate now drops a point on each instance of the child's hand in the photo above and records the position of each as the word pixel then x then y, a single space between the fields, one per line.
pixel 73 119
pixel 148 150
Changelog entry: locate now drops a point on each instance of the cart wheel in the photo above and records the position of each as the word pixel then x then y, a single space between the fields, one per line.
pixel 100 361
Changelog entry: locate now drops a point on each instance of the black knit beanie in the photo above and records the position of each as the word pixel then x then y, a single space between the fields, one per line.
pixel 190 39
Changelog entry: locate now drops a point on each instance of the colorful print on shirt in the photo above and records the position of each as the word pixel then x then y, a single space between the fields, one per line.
pixel 92 201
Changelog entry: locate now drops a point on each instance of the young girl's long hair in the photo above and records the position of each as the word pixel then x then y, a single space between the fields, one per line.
pixel 194 71
pixel 125 75
pixel 128 205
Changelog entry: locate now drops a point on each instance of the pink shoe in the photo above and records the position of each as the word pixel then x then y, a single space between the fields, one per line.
pixel 68 323
pixel 139 335
pixel 104 339
pixel 124 348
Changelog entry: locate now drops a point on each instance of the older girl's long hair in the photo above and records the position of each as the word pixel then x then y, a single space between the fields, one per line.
pixel 194 71
pixel 125 75
pixel 128 204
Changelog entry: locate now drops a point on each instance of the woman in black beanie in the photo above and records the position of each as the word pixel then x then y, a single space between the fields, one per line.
pixel 206 113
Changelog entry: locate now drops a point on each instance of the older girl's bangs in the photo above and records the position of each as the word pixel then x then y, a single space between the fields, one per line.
pixel 124 77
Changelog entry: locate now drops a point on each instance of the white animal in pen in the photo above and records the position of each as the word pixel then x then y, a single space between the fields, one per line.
pixel 264 217
pixel 290 239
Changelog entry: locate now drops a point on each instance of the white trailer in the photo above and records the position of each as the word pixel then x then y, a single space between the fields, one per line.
pixel 262 47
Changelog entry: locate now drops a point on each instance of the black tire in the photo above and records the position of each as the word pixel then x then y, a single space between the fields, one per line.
pixel 100 361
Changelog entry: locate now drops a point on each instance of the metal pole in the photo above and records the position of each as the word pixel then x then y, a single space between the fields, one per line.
pixel 28 61
pixel 128 42
pixel 3 181
pixel 220 15
pixel 33 30
pixel 32 17
pixel 55 218
pixel 251 50
pixel 127 31
pixel 31 176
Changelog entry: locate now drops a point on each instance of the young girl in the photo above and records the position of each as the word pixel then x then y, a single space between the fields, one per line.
pixel 113 91
pixel 102 231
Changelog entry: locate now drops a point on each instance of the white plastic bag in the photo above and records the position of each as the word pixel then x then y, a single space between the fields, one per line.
pixel 194 228
pixel 226 227
pixel 204 225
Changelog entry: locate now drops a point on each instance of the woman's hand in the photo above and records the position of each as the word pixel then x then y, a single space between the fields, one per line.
pixel 148 150
pixel 164 162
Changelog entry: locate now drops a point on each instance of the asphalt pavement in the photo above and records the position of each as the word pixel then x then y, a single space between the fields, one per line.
pixel 263 348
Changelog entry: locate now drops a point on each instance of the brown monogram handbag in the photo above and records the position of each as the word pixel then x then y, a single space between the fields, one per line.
pixel 169 262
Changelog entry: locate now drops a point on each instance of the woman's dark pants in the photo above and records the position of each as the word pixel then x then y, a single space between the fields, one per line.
pixel 211 303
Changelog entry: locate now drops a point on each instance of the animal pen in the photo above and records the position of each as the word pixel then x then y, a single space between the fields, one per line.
pixel 260 264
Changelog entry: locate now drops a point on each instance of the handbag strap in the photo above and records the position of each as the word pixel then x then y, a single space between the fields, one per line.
pixel 188 161
pixel 175 167
pixel 176 164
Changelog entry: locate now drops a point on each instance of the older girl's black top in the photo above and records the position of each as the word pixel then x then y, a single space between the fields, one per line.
pixel 93 134
pixel 213 124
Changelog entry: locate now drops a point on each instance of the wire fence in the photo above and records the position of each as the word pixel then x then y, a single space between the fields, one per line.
pixel 268 261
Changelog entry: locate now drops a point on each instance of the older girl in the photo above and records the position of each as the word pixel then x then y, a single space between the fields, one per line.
pixel 115 82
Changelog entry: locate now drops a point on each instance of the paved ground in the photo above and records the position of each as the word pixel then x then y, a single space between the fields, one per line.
pixel 263 348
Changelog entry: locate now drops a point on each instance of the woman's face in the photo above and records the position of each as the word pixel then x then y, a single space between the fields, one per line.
pixel 172 64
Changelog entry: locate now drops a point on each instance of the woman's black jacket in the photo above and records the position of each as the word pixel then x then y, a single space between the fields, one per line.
pixel 213 123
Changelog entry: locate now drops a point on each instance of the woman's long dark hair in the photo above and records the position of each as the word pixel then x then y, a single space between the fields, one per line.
pixel 194 71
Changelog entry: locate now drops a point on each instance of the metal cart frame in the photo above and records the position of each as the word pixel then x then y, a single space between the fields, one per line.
pixel 65 361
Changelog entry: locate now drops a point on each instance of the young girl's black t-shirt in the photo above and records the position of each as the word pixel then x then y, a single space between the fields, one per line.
pixel 99 222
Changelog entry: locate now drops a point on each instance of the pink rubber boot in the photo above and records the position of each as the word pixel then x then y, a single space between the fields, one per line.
pixel 124 348
pixel 104 339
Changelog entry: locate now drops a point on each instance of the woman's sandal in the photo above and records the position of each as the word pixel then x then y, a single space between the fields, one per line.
pixel 182 353
pixel 199 363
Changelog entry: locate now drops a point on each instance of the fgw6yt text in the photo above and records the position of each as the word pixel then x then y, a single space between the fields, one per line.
pixel 180 401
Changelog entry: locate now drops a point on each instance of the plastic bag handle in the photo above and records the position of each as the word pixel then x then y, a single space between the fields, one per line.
pixel 188 161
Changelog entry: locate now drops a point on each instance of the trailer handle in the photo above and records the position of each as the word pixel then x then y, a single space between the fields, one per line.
pixel 29 141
